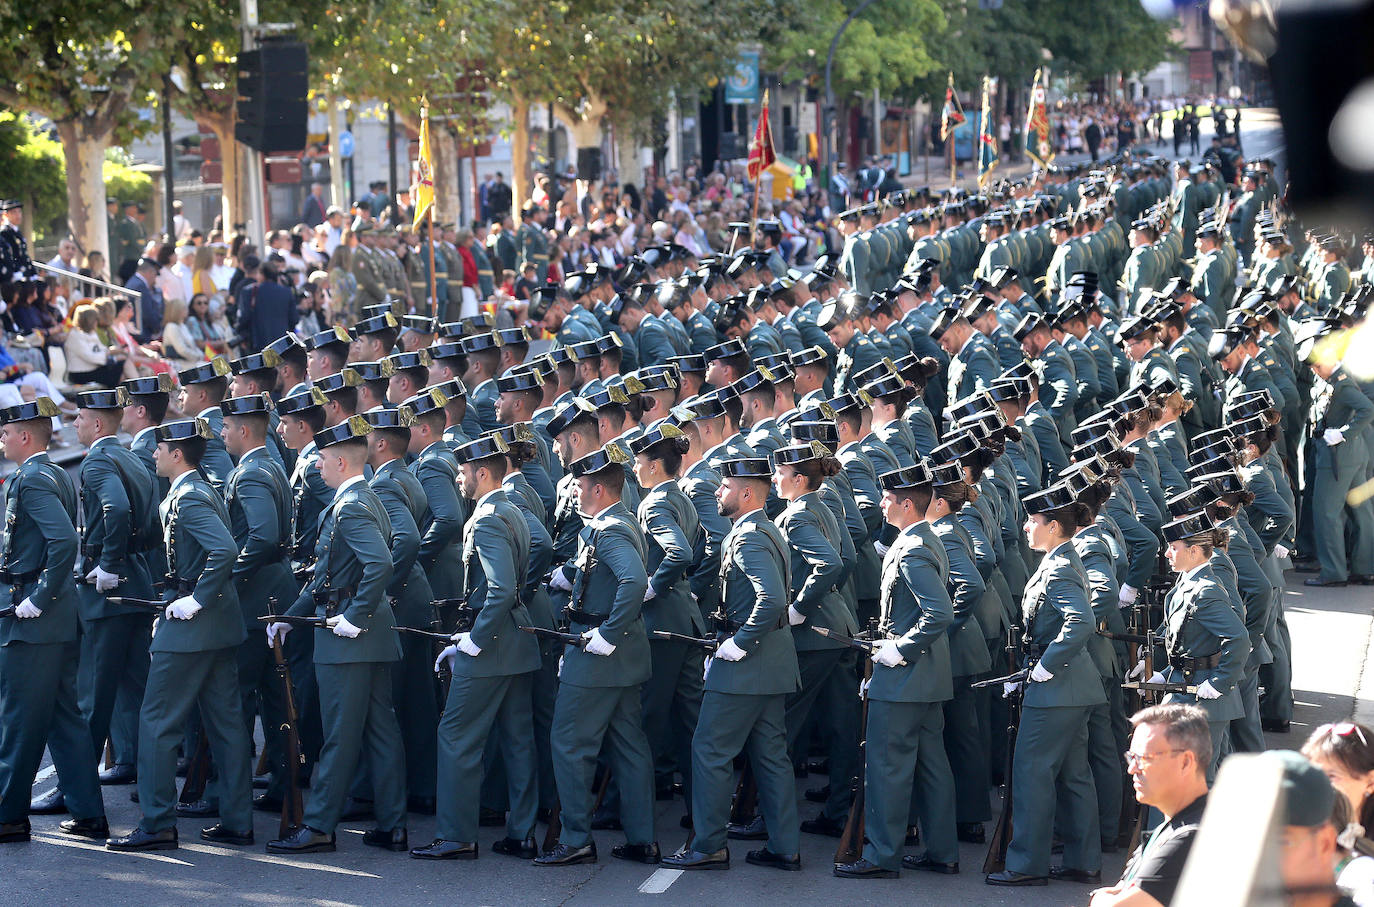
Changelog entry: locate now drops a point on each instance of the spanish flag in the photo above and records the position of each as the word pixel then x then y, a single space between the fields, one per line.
pixel 424 185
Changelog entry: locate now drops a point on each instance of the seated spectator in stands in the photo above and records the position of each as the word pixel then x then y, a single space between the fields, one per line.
pixel 314 305
pixel 528 281
pixel 94 268
pixel 179 346
pixel 199 327
pixel 89 361
pixel 203 281
pixel 146 357
pixel 30 316
pixel 167 280
pixel 1170 751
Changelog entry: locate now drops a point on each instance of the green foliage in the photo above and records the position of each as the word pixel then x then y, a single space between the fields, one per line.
pixel 127 184
pixel 32 170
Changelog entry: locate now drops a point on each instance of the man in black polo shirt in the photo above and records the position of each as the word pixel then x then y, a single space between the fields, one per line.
pixel 1170 751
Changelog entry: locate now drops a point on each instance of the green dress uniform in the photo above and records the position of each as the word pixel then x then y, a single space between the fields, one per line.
pixel 257 495
pixel 672 697
pixel 1210 282
pixel 352 572
pixel 699 484
pixel 412 680
pixel 38 655
pixel 195 662
pixel 491 690
pixel 1205 642
pixel 599 695
pixel 903 745
pixel 441 530
pixel 1058 387
pixel 1052 783
pixel 121 535
pixel 744 700
pixel 1341 406
pixel 367 271
pixel 534 248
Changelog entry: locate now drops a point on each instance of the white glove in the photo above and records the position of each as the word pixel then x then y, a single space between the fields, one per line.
pixel 1205 690
pixel 445 656
pixel 183 608
pixel 277 630
pixel 341 627
pixel 466 645
pixel 887 654
pixel 27 609
pixel 1038 674
pixel 559 581
pixel 794 617
pixel 1138 671
pixel 1157 677
pixel 863 686
pixel 706 667
pixel 1128 595
pixel 1010 687
pixel 596 643
pixel 1333 436
pixel 730 651
pixel 649 593
pixel 1281 552
pixel 103 581
pixel 881 549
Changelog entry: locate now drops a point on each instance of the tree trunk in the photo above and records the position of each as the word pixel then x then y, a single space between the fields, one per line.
pixel 631 169
pixel 222 125
pixel 83 148
pixel 520 152
pixel 585 130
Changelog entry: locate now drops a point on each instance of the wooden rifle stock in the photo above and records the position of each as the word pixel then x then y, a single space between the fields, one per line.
pixel 292 808
pixel 851 846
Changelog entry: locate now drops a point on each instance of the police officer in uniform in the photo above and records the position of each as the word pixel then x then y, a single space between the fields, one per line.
pixel 202 389
pixel 38 638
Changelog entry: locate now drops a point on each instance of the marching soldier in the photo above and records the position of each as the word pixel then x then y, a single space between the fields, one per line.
pixel 441 530
pixel 256 374
pixel 599 684
pixel 202 389
pixel 194 653
pixel 38 637
pixel 355 644
pixel 492 665
pixel 750 676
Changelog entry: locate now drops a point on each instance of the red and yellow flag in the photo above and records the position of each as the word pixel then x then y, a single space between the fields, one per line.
pixel 424 183
pixel 1038 144
pixel 761 154
pixel 951 114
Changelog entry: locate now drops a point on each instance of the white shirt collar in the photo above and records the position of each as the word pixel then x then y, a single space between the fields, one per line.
pixel 179 479
pixel 253 451
pixel 1192 574
pixel 110 438
pixel 483 499
pixel 208 409
pixel 347 482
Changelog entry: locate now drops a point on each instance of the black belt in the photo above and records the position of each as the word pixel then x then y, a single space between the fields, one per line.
pixel 19 579
pixel 1189 663
pixel 731 627
pixel 173 583
pixel 578 616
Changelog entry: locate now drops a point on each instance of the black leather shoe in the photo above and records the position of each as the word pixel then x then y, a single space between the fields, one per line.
pixel 755 830
pixel 439 849
pixel 490 818
pixel 567 855
pixel 138 840
pixel 1067 874
pixel 395 840
pixel 695 859
pixel 638 853
pixel 790 862
pixel 971 833
pixel 303 840
pixel 1274 725
pixel 356 811
pixel 862 869
pixel 1362 579
pixel 200 809
pixel 267 803
pixel 52 805
pixel 1008 879
pixel 218 834
pixel 119 773
pixel 425 806
pixel 1318 581
pixel 606 822
pixel 514 847
pixel 926 864
pixel 96 829
pixel 14 832
pixel 818 794
pixel 823 825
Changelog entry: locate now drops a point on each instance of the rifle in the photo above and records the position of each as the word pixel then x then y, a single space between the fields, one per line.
pixel 851 846
pixel 444 638
pixel 7 612
pixel 707 644
pixel 996 859
pixel 555 829
pixel 197 771
pixel 292 809
pixel 863 645
pixel 572 639
pixel 317 622
pixel 746 796
pixel 151 604
pixel 1014 677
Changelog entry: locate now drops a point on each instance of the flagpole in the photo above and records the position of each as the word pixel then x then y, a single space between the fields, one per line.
pixel 433 278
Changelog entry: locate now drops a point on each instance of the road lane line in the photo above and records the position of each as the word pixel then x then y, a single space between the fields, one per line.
pixel 45 774
pixel 660 881
pixel 275 861
pixel 99 848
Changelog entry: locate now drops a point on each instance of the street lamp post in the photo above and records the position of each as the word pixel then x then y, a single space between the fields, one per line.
pixel 830 91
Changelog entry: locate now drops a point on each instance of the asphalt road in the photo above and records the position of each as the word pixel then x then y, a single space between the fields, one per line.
pixel 1331 634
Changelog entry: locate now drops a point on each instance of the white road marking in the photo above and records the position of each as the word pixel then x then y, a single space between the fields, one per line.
pixel 47 793
pixel 659 881
pixel 61 841
pixel 45 774
pixel 276 861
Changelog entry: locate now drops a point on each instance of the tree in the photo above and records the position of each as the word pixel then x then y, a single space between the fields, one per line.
pixel 84 64
pixel 33 173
